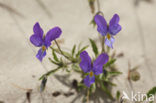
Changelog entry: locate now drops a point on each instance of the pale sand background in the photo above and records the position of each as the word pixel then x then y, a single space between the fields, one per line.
pixel 18 64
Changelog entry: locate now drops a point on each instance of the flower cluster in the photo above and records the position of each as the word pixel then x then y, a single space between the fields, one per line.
pixel 89 67
pixel 108 31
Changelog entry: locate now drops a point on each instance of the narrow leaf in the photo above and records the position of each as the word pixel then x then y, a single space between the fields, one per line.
pixel 55 56
pixel 111 83
pixel 76 68
pixel 53 61
pixel 93 22
pixel 106 90
pixel 112 61
pixel 118 95
pixel 43 84
pixel 94 47
pixel 79 46
pixel 65 53
pixel 49 73
pixel 85 47
pixel 73 50
pixel 111 74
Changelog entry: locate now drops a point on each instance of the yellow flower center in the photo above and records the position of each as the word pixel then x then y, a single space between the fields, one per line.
pixel 108 36
pixel 43 48
pixel 91 74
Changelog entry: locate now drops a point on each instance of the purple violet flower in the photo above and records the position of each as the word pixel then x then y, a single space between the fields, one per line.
pixel 94 68
pixel 108 30
pixel 38 39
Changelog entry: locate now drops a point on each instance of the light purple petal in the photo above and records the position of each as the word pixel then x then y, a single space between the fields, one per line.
pixel 101 24
pixel 110 42
pixel 36 40
pixel 85 63
pixel 89 80
pixel 98 70
pixel 41 54
pixel 38 30
pixel 99 62
pixel 52 34
pixel 114 27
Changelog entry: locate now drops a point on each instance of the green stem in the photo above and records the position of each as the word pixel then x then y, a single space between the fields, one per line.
pixel 61 50
pixel 108 49
pixel 103 46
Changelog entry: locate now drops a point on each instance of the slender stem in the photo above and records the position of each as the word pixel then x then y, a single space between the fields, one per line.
pixel 103 42
pixel 103 38
pixel 88 96
pixel 98 5
pixel 108 49
pixel 61 50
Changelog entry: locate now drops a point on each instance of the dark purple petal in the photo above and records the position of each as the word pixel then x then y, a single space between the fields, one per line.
pixel 110 42
pixel 114 27
pixel 99 62
pixel 101 24
pixel 52 34
pixel 36 40
pixel 85 63
pixel 115 20
pixel 89 80
pixel 41 54
pixel 38 30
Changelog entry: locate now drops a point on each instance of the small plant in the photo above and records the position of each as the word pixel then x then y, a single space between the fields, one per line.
pixel 96 72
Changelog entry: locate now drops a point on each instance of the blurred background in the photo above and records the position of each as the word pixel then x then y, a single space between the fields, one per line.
pixel 20 70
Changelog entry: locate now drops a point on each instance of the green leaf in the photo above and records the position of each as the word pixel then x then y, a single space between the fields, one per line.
pixel 85 47
pixel 106 90
pixel 49 73
pixel 58 51
pixel 111 83
pixel 73 50
pixel 76 68
pixel 151 92
pixel 94 47
pixel 55 56
pixel 81 86
pixel 93 22
pixel 54 61
pixel 118 95
pixel 111 74
pixel 112 61
pixel 79 46
pixel 43 84
pixel 67 70
pixel 66 54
